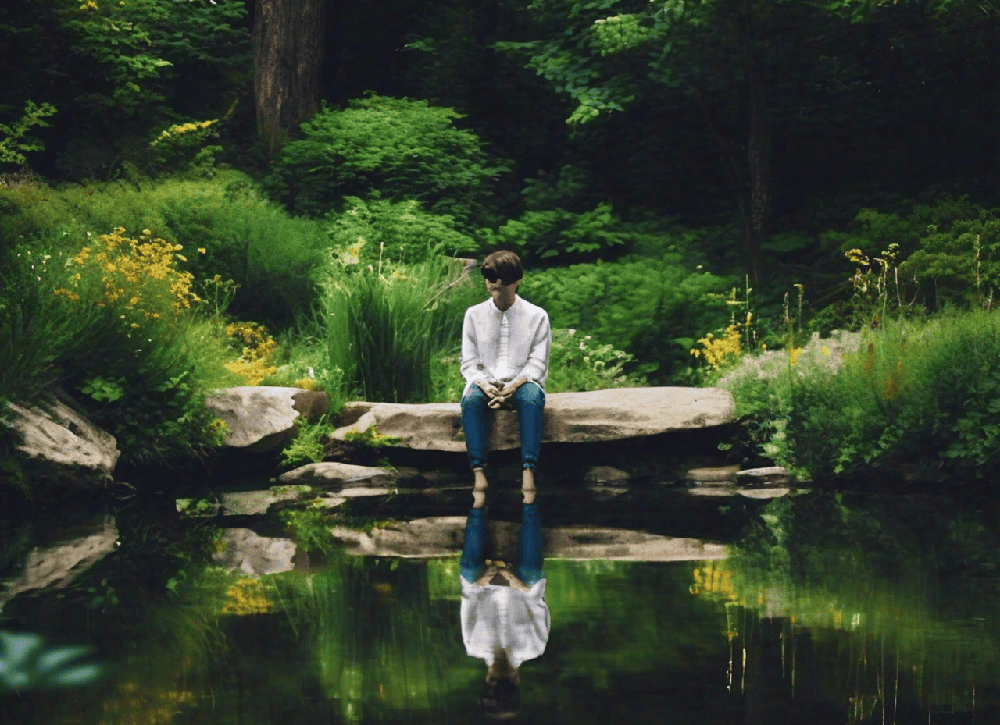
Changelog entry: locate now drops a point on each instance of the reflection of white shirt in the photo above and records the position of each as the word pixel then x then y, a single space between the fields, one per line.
pixel 501 616
pixel 507 344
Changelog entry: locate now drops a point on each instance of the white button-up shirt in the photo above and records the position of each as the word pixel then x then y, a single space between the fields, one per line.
pixel 501 616
pixel 509 344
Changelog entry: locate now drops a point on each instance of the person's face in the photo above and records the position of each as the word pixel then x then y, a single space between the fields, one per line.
pixel 500 291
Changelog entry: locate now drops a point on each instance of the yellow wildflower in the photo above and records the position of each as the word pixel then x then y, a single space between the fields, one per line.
pixel 793 355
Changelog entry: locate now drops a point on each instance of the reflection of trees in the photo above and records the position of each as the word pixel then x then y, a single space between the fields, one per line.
pixel 878 606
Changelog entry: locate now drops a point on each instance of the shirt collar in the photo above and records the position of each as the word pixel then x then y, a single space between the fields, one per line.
pixel 517 299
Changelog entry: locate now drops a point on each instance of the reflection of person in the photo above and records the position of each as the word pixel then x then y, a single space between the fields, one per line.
pixel 505 619
pixel 505 360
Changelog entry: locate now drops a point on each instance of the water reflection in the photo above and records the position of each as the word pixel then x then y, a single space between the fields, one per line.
pixel 832 609
pixel 505 618
pixel 883 608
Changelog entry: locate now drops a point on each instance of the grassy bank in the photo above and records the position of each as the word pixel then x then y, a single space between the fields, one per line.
pixel 915 399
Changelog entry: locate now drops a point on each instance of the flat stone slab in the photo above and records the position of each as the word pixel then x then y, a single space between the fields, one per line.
pixel 596 415
pixel 443 536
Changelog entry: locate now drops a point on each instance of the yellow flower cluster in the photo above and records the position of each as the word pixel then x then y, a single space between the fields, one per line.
pixel 306 383
pixel 717 349
pixel 182 128
pixel 246 597
pixel 794 353
pixel 253 362
pixel 140 274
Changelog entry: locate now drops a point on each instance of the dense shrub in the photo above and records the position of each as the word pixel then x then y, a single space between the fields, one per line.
pixel 916 397
pixel 245 238
pixel 402 148
pixel 570 236
pixel 646 307
pixel 116 326
pixel 395 232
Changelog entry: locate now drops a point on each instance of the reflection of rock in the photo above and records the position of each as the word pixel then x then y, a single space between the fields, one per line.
pixel 331 475
pixel 261 418
pixel 77 451
pixel 255 555
pixel 57 564
pixel 606 475
pixel 443 536
pixel 597 415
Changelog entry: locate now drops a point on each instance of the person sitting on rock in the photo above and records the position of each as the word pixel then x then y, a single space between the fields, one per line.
pixel 505 618
pixel 505 358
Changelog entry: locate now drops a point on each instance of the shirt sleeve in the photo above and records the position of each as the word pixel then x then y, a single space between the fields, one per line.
pixel 472 365
pixel 537 367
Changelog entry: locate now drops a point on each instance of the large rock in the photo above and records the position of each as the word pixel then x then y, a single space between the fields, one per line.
pixel 72 449
pixel 597 415
pixel 262 417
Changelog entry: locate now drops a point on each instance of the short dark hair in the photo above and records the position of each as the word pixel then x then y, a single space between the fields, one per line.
pixel 505 264
pixel 500 698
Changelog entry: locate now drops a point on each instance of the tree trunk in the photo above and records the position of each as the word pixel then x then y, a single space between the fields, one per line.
pixel 758 140
pixel 287 57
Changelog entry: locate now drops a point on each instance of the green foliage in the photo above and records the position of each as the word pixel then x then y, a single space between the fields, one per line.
pixel 307 446
pixel 402 148
pixel 132 43
pixel 140 370
pixel 256 244
pixel 645 307
pixel 371 437
pixel 540 235
pixel 103 390
pixel 394 231
pixel 14 141
pixel 917 398
pixel 943 253
pixel 179 148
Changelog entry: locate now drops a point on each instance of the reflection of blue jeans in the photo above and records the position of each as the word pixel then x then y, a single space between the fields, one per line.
pixel 529 559
pixel 528 400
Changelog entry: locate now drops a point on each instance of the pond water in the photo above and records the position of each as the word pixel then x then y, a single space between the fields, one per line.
pixel 826 609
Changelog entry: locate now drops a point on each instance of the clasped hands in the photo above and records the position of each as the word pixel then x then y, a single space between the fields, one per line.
pixel 500 395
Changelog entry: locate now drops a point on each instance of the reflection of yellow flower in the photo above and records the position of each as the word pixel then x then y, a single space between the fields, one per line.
pixel 246 596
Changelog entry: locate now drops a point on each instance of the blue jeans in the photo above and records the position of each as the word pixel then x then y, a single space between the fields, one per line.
pixel 528 400
pixel 529 558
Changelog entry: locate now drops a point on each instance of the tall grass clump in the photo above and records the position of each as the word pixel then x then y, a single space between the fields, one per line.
pixel 384 325
pixel 919 398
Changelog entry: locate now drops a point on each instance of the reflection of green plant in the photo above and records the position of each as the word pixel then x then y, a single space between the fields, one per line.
pixel 104 596
pixel 309 528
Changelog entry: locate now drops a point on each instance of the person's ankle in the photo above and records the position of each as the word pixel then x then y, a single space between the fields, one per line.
pixel 479 488
pixel 528 485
